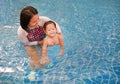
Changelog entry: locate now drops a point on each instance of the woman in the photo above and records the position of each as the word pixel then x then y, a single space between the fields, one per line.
pixel 31 34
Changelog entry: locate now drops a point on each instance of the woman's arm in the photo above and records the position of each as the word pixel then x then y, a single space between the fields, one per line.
pixel 40 42
pixel 58 28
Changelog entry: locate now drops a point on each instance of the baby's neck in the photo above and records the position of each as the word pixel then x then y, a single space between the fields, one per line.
pixel 51 37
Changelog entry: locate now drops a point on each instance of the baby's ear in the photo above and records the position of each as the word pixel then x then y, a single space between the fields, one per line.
pixel 56 31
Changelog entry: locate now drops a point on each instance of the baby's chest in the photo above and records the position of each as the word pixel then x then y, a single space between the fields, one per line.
pixel 52 42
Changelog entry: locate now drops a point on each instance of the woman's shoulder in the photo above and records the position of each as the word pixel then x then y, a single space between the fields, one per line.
pixel 44 18
pixel 21 31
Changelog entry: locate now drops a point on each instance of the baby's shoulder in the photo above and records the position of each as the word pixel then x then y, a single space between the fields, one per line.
pixel 59 35
pixel 46 39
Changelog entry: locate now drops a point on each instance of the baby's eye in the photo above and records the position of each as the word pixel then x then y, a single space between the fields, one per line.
pixel 49 30
pixel 53 29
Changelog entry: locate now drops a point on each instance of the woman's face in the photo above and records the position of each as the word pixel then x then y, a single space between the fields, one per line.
pixel 34 21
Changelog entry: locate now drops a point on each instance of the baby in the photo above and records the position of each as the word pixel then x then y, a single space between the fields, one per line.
pixel 52 38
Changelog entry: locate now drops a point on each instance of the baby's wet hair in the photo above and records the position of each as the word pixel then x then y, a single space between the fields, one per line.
pixel 49 22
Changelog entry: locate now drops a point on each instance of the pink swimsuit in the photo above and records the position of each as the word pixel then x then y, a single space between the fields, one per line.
pixel 36 34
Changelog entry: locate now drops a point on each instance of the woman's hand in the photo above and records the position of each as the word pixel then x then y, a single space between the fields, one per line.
pixel 40 42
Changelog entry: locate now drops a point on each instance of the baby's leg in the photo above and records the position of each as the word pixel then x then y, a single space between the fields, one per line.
pixel 33 54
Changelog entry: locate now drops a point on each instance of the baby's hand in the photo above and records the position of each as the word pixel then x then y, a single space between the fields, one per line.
pixel 61 53
pixel 44 61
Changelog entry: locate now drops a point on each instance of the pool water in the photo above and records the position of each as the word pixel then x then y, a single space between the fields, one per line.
pixel 91 30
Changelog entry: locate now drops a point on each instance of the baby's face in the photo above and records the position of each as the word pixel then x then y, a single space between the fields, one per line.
pixel 51 30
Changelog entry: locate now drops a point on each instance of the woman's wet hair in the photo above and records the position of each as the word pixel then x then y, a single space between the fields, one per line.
pixel 26 14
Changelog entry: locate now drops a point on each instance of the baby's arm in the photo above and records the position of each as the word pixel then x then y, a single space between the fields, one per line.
pixel 44 59
pixel 61 45
pixel 44 48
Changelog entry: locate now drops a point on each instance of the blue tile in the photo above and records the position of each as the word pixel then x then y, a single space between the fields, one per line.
pixel 92 43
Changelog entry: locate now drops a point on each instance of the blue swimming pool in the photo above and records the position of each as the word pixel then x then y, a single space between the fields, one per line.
pixel 91 30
